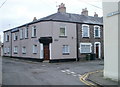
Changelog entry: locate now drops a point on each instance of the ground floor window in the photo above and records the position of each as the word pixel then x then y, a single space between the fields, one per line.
pixel 85 47
pixel 8 50
pixel 16 49
pixel 24 50
pixel 35 49
pixel 65 49
pixel 5 51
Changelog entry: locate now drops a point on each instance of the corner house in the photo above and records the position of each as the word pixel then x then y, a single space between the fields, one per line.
pixel 57 37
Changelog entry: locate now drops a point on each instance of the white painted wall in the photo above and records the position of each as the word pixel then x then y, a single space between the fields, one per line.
pixel 110 41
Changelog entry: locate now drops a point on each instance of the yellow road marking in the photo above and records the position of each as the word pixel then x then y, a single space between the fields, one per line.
pixel 83 78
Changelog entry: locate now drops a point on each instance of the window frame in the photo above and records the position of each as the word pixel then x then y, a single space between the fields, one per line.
pixel 6 37
pixel 65 35
pixel 15 49
pixel 65 51
pixel 8 50
pixel 15 37
pixel 21 33
pixel 5 50
pixel 23 50
pixel 34 49
pixel 90 50
pixel 26 33
pixel 34 33
pixel 87 31
pixel 98 32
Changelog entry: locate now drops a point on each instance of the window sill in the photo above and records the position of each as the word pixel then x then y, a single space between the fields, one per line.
pixel 15 53
pixel 62 36
pixel 66 53
pixel 34 53
pixel 26 38
pixel 23 53
pixel 85 53
pixel 97 37
pixel 7 41
pixel 34 37
pixel 86 37
pixel 21 39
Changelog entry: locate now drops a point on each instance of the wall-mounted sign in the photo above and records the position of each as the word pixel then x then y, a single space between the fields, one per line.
pixel 113 13
pixel 55 39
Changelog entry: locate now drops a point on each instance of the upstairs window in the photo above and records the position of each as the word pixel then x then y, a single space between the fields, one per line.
pixel 21 33
pixel 85 30
pixel 26 32
pixel 15 36
pixel 85 47
pixel 65 49
pixel 63 31
pixel 6 37
pixel 34 34
pixel 34 49
pixel 96 31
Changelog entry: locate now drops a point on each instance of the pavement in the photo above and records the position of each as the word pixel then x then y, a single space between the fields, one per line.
pixel 99 79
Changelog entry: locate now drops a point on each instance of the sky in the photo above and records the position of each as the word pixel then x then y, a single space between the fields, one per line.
pixel 18 12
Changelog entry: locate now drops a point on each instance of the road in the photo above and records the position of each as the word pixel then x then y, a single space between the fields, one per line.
pixel 19 72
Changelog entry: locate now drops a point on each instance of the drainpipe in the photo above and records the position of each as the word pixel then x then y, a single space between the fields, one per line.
pixel 11 45
pixel 77 43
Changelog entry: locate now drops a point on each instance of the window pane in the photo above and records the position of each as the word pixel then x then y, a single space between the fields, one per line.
pixel 34 32
pixel 85 48
pixel 65 49
pixel 96 32
pixel 85 31
pixel 62 31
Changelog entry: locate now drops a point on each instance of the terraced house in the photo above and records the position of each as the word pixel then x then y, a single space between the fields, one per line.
pixel 57 37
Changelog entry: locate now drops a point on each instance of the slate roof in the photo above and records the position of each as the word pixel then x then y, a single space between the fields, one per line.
pixel 75 18
pixel 68 17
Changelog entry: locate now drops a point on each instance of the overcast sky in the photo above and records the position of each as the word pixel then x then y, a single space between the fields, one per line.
pixel 17 12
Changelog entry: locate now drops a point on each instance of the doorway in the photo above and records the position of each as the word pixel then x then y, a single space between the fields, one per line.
pixel 97 49
pixel 46 52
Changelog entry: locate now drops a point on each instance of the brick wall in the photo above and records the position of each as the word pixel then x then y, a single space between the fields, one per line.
pixel 91 40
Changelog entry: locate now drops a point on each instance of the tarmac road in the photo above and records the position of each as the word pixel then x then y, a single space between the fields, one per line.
pixel 18 72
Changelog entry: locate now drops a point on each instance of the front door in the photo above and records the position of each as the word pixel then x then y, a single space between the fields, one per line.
pixel 46 52
pixel 97 50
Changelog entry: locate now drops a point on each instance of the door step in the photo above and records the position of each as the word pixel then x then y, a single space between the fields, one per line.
pixel 46 61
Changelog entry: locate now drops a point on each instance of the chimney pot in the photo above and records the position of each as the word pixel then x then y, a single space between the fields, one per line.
pixel 84 12
pixel 62 8
pixel 34 19
pixel 95 14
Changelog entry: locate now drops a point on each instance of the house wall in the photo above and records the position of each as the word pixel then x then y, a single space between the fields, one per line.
pixel 7 44
pixel 58 42
pixel 91 39
pixel 42 31
pixel 46 29
pixel 110 40
pixel 119 43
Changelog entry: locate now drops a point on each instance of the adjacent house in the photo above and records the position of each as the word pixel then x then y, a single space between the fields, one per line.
pixel 111 16
pixel 57 37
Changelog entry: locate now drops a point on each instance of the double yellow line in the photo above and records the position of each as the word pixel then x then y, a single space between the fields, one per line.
pixel 83 78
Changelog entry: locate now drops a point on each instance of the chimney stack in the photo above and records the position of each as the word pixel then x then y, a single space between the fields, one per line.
pixel 84 12
pixel 34 19
pixel 95 14
pixel 62 8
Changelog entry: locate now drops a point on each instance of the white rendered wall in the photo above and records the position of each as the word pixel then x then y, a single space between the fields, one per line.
pixel 110 40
